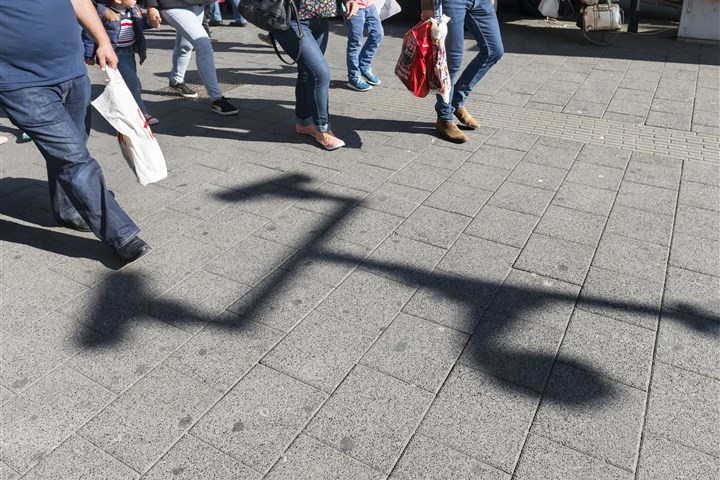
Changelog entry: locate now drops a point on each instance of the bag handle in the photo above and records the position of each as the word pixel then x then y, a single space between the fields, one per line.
pixel 291 10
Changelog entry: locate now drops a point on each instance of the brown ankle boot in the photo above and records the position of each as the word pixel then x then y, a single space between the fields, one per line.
pixel 466 119
pixel 449 131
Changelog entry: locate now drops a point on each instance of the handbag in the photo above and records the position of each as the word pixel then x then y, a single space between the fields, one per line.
pixel 273 16
pixel 602 17
pixel 138 144
pixel 416 59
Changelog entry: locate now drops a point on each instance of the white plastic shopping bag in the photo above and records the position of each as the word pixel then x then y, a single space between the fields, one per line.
pixel 387 8
pixel 440 78
pixel 549 8
pixel 137 141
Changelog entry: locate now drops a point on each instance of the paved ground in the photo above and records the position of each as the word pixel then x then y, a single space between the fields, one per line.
pixel 542 301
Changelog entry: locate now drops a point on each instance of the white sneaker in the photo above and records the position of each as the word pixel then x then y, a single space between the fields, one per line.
pixel 151 120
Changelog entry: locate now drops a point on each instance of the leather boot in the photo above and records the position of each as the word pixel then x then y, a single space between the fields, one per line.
pixel 450 132
pixel 466 119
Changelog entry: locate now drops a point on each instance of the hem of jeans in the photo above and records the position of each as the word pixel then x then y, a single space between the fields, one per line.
pixel 129 239
pixel 323 128
pixel 305 122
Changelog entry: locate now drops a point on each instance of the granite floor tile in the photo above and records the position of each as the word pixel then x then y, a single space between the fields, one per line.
pixel 537 175
pixel 689 343
pixel 632 257
pixel 436 227
pixel 584 198
pixel 260 417
pixel 639 225
pixel 371 417
pixel 320 351
pixel 227 227
pixel 692 293
pixel 363 177
pixel 482 417
pixel 701 172
pixel 572 225
pixel 389 157
pixel 499 157
pixel 479 176
pixel 502 226
pixel 328 261
pixel 511 139
pixel 480 260
pixel 455 198
pixel 683 407
pixel 443 157
pixel 661 458
pixel 700 195
pixel 366 227
pixel 295 227
pixel 553 154
pixel 606 156
pixel 404 260
pixel 655 175
pixel 646 197
pixel 697 221
pixel 396 199
pixel 423 177
pixel 521 198
pixel 696 253
pixel 555 258
pixel 596 176
pixel 592 415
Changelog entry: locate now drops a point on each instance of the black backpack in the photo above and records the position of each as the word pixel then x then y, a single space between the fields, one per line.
pixel 272 16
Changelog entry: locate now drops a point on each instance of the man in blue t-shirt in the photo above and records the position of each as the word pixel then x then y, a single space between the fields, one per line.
pixel 45 91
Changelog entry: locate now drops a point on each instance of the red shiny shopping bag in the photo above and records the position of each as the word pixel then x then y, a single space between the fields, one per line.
pixel 416 59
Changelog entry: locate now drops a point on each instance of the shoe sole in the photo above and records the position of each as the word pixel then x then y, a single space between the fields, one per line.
pixel 374 84
pixel 185 95
pixel 353 87
pixel 143 251
pixel 227 114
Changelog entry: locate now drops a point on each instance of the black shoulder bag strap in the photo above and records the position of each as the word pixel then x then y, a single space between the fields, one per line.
pixel 291 11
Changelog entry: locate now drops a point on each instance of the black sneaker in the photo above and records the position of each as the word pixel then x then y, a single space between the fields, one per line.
pixel 222 107
pixel 184 90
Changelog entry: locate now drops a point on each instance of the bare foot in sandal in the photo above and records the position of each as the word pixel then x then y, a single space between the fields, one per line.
pixel 326 139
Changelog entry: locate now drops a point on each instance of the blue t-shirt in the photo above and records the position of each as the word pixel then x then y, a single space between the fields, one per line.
pixel 43 49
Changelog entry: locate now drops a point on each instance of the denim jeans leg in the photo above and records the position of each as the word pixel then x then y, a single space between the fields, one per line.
pixel 128 69
pixel 355 27
pixel 215 13
pixel 375 35
pixel 190 34
pixel 236 11
pixel 313 84
pixel 482 23
pixel 43 112
pixel 455 47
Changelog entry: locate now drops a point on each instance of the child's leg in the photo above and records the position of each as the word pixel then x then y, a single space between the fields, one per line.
pixel 375 35
pixel 354 42
pixel 128 70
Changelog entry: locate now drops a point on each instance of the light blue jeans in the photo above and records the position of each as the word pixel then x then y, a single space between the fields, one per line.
pixel 216 14
pixel 359 56
pixel 481 21
pixel 187 21
pixel 128 69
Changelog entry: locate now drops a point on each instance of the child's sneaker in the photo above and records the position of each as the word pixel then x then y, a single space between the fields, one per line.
pixel 222 107
pixel 359 84
pixel 151 120
pixel 371 78
pixel 184 90
pixel 265 38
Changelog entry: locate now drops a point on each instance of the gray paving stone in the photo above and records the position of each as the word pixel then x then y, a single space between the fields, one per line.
pixel 605 156
pixel 498 157
pixel 5 395
pixel 225 350
pixel 597 176
pixel 479 176
pixel 660 458
pixel 455 198
pixel 328 261
pixel 366 300
pixel 479 259
pixel 427 459
pixel 423 177
pixel 34 351
pixel 639 225
pixel 701 172
pixel 584 198
pixel 202 203
pixel 521 198
pixel 512 139
pixel 513 349
pixel 396 199
pixel 149 418
pixel 7 473
pixel 281 300
pixel 585 108
pixel 683 407
pixel 122 358
pixel 697 221
pixel 555 258
pixel 370 417
pixel 191 458
pixel 165 225
pixel 547 107
pixel 250 261
pixel 404 260
pixel 595 416
pixel 646 197
pixel 366 227
pixel 46 414
pixel 637 120
pixel 363 177
pixel 630 256
pixel 259 418
pixel 668 120
pixel 308 458
pixel 553 154
pixel 416 351
pixel 246 175
pixel 692 293
pixel 193 302
pixel 623 297
pixel 295 227
pixel 571 225
pixel 268 200
pixel 541 300
pixel 542 459
pixel 77 458
pixel 615 349
pixel 226 228
pixel 700 195
pixel 331 200
pixel 436 227
pixel 696 253
pixel 482 417
pixel 540 176
pixel 389 157
pixel 502 226
pixel 689 343
pixel 655 175
pixel 443 157
pixel 320 351
pixel 155 198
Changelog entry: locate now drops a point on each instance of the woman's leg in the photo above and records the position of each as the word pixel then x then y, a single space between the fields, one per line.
pixel 188 23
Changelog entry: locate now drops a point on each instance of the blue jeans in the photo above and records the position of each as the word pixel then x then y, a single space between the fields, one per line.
pixel 313 82
pixel 187 22
pixel 359 56
pixel 216 14
pixel 214 10
pixel 481 21
pixel 55 118
pixel 128 70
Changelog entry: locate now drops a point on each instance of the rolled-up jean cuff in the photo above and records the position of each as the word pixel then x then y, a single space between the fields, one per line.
pixel 323 128
pixel 127 240
pixel 305 121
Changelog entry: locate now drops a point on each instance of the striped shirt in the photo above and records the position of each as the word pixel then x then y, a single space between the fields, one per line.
pixel 127 33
